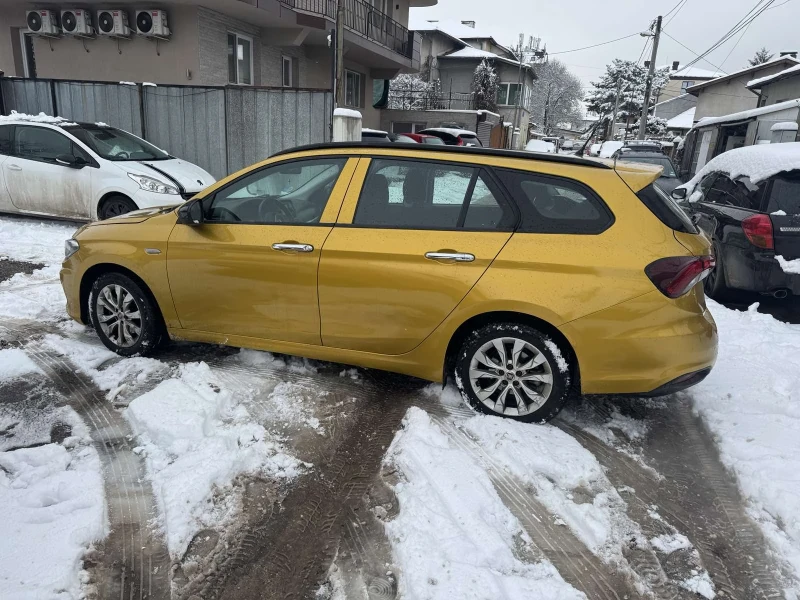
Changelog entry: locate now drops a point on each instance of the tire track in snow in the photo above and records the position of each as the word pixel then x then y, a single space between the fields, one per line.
pixel 134 562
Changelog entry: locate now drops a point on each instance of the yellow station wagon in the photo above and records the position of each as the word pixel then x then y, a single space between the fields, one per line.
pixel 522 277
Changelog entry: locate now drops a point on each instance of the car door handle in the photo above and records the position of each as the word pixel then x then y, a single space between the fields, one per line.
pixel 454 256
pixel 293 247
pixel 13 167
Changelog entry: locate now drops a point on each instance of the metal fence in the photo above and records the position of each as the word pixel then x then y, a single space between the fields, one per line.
pixel 429 100
pixel 221 129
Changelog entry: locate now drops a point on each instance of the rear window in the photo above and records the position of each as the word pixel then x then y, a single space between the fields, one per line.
pixel 665 208
pixel 785 195
pixel 470 139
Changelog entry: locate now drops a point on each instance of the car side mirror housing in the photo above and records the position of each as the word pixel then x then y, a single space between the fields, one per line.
pixel 68 160
pixel 679 193
pixel 191 213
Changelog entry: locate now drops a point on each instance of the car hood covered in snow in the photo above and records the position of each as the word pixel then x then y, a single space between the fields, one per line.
pixel 173 170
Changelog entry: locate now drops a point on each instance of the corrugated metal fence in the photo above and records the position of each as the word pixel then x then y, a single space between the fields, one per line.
pixel 222 129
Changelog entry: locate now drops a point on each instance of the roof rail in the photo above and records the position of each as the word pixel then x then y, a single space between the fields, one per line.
pixel 557 158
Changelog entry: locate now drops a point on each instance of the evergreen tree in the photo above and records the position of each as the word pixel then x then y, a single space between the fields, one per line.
pixel 760 57
pixel 632 78
pixel 484 86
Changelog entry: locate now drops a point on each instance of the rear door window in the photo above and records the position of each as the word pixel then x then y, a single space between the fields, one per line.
pixel 554 205
pixel 784 195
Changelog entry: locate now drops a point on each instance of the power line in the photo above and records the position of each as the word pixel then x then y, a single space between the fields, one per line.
pixel 737 42
pixel 682 4
pixel 595 45
pixel 692 51
pixel 673 8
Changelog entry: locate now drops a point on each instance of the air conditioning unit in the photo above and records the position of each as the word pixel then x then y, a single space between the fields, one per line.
pixel 113 22
pixel 152 23
pixel 77 21
pixel 42 22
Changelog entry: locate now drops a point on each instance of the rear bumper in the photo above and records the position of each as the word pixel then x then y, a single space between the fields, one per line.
pixel 676 385
pixel 757 271
pixel 645 345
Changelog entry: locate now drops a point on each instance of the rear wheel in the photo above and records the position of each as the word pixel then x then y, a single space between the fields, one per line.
pixel 513 371
pixel 116 205
pixel 127 321
pixel 714 284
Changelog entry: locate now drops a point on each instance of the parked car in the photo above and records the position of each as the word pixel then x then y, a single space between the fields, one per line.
pixel 594 150
pixel 669 179
pixel 425 139
pixel 509 273
pixel 609 148
pixel 454 137
pixel 374 135
pixel 642 146
pixel 540 146
pixel 556 141
pixel 568 145
pixel 747 201
pixel 402 138
pixel 54 167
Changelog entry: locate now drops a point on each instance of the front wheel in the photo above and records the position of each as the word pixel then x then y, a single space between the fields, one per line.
pixel 124 316
pixel 115 206
pixel 513 371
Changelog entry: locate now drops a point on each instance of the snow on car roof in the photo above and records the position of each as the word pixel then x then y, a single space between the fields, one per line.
pixel 16 117
pixel 451 131
pixel 378 131
pixel 756 162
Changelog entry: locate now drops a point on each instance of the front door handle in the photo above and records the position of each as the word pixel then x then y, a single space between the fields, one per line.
pixel 293 247
pixel 454 256
pixel 13 167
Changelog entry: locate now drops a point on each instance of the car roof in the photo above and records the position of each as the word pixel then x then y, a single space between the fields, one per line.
pixel 641 154
pixel 434 149
pixel 451 131
pixel 54 122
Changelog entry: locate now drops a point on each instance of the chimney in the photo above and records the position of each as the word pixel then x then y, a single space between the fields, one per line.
pixel 647 64
pixel 675 65
pixel 792 53
pixel 469 24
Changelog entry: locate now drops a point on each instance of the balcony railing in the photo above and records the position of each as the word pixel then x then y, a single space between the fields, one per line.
pixel 427 100
pixel 363 19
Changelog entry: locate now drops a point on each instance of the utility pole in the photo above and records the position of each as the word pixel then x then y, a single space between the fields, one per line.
pixel 340 84
pixel 616 110
pixel 517 111
pixel 649 88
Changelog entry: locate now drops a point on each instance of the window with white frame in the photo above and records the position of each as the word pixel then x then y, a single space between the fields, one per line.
pixel 686 84
pixel 240 59
pixel 508 93
pixel 352 89
pixel 287 71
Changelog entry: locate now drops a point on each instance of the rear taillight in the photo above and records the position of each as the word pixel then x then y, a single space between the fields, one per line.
pixel 758 230
pixel 459 141
pixel 676 275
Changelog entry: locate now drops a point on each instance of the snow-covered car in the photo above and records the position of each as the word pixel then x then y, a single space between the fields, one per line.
pixel 454 137
pixel 594 150
pixel 540 146
pixel 54 167
pixel 747 201
pixel 374 135
pixel 608 149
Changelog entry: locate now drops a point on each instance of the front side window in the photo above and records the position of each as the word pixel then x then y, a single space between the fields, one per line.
pixel 5 139
pixel 785 195
pixel 429 195
pixel 508 93
pixel 240 59
pixel 739 194
pixel 40 143
pixel 352 89
pixel 554 205
pixel 115 144
pixel 294 192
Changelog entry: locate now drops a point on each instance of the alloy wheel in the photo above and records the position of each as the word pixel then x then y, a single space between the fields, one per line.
pixel 510 376
pixel 119 315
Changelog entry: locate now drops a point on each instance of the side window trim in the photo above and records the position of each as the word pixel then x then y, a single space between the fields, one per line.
pixel 462 215
pixel 11 134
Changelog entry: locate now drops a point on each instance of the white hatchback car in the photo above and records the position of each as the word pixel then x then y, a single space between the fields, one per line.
pixel 51 166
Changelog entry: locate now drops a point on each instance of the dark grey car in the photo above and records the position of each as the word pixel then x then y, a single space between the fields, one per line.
pixel 669 179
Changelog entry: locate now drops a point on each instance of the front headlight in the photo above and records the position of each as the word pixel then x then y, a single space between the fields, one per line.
pixel 153 185
pixel 71 246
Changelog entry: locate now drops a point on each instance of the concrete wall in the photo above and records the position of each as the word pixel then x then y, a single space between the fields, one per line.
pixel 429 118
pixel 786 89
pixel 138 60
pixel 672 108
pixel 12 19
pixel 213 47
pixel 731 96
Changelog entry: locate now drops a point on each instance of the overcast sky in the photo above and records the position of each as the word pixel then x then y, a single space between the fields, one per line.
pixel 568 24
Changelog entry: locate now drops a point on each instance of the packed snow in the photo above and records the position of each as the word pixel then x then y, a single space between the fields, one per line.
pixel 14 363
pixel 700 584
pixel 791 267
pixel 40 118
pixel 754 414
pixel 53 511
pixel 756 162
pixel 347 112
pixel 670 542
pixel 784 126
pixel 454 537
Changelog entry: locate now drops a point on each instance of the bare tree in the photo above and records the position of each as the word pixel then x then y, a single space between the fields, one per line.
pixel 556 96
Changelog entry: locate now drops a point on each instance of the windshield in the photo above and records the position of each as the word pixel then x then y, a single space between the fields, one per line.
pixel 115 144
pixel 661 161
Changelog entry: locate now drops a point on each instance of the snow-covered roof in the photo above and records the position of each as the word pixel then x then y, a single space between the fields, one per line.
pixel 787 60
pixel 685 120
pixel 748 114
pixel 785 126
pixel 756 162
pixel 757 83
pixel 470 52
pixel 454 29
pixel 692 73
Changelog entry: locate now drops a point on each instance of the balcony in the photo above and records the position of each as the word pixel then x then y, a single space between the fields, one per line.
pixel 430 100
pixel 364 20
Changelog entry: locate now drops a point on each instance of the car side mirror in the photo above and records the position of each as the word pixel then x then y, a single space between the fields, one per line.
pixel 68 160
pixel 679 193
pixel 191 213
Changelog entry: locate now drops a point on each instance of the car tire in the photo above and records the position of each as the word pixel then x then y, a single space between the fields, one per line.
pixel 115 205
pixel 124 315
pixel 540 377
pixel 714 284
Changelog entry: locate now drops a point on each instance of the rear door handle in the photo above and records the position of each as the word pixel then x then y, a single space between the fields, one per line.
pixel 454 256
pixel 13 167
pixel 293 247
